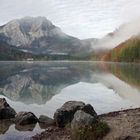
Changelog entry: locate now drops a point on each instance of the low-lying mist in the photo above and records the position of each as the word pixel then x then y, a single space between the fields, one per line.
pixel 121 34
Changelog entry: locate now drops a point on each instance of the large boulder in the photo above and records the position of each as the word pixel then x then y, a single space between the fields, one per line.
pixel 6 112
pixel 82 119
pixel 64 115
pixel 25 118
pixel 89 110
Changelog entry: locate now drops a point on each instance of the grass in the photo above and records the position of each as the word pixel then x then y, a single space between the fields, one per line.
pixel 101 130
pixel 91 133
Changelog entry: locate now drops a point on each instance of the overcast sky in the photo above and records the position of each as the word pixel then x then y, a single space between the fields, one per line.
pixel 80 18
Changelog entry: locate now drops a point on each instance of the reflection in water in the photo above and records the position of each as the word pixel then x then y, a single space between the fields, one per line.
pixel 129 73
pixel 25 127
pixel 37 83
pixel 4 125
pixel 102 98
pixel 42 87
pixel 19 132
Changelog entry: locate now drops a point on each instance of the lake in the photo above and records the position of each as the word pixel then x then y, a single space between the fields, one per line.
pixel 42 87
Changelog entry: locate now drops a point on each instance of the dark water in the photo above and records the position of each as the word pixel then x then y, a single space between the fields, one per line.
pixel 42 87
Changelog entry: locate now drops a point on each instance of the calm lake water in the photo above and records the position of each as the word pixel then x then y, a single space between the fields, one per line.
pixel 42 87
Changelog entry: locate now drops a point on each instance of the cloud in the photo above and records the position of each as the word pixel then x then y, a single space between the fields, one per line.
pixel 80 18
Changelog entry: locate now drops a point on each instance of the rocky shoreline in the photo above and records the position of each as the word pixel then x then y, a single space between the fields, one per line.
pixel 124 125
pixel 78 121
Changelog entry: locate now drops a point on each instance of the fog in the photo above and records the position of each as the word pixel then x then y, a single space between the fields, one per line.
pixel 119 35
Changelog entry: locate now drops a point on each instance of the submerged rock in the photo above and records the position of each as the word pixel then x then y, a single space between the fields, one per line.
pixel 82 119
pixel 25 118
pixel 6 112
pixel 45 121
pixel 64 115
pixel 29 127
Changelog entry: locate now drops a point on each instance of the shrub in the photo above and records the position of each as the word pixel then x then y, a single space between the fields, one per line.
pixel 92 133
pixel 101 130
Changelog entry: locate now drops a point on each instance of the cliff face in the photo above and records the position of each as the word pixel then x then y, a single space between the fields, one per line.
pixel 23 32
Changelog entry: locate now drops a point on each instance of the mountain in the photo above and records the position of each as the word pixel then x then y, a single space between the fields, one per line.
pixel 37 38
pixel 37 35
pixel 128 51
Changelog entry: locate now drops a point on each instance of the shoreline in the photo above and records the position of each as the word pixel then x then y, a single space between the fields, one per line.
pixel 124 125
pixel 115 113
pixel 120 125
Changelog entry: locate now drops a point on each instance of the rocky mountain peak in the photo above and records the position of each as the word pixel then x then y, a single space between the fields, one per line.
pixel 28 24
pixel 22 32
pixel 38 35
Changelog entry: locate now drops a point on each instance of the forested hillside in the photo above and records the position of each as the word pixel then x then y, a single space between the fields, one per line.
pixel 10 53
pixel 128 51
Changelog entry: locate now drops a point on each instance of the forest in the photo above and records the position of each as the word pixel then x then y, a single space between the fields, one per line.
pixel 128 51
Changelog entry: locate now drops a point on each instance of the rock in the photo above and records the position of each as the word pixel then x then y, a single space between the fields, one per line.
pixel 6 112
pixel 25 118
pixel 29 127
pixel 64 115
pixel 45 121
pixel 89 110
pixel 82 119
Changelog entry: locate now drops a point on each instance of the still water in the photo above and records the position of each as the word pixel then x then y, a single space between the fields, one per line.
pixel 42 87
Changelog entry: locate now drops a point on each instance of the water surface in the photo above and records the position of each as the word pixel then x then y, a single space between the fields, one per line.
pixel 42 87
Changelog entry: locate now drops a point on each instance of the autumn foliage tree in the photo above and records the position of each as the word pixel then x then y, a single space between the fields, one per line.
pixel 129 51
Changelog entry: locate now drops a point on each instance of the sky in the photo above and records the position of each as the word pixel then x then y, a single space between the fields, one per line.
pixel 79 18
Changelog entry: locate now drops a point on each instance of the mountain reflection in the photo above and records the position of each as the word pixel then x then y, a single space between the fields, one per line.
pixel 38 82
